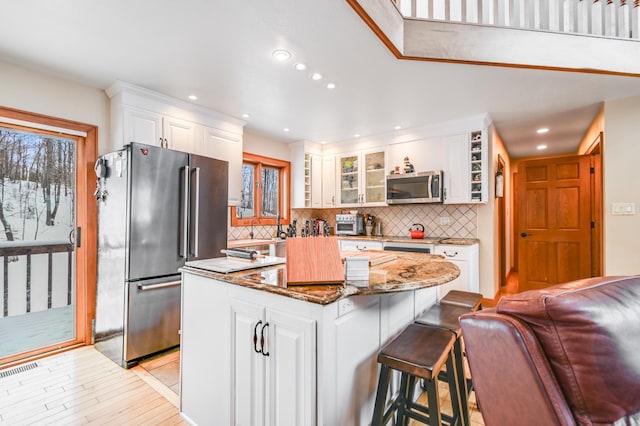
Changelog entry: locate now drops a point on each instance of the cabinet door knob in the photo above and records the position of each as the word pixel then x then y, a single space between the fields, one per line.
pixel 524 234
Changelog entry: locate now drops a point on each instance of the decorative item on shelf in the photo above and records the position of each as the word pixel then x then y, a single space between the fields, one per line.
pixel 477 177
pixel 408 167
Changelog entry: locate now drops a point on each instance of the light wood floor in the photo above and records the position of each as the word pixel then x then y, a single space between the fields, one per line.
pixel 82 386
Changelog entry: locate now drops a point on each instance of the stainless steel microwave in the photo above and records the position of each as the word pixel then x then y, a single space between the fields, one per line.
pixel 415 188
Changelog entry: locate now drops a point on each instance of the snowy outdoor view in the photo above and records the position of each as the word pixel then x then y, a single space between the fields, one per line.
pixel 37 200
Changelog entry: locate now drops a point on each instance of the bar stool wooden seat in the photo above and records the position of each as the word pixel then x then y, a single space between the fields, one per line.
pixel 448 317
pixel 418 352
pixel 467 299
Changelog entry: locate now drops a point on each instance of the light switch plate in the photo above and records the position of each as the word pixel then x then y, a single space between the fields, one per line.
pixel 619 209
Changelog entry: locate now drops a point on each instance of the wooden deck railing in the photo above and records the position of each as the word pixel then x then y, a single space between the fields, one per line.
pixel 607 18
pixel 12 251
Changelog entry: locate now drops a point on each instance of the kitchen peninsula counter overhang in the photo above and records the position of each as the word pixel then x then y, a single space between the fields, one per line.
pixel 409 271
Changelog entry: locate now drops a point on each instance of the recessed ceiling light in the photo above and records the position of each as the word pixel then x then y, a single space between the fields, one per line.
pixel 331 86
pixel 398 127
pixel 357 135
pixel 286 129
pixel 193 97
pixel 245 115
pixel 541 147
pixel 316 76
pixel 323 142
pixel 281 55
pixel 542 130
pixel 300 66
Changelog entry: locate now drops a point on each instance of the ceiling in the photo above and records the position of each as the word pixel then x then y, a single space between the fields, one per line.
pixel 221 51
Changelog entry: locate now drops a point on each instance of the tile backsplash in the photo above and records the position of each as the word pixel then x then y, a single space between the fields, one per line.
pixel 396 220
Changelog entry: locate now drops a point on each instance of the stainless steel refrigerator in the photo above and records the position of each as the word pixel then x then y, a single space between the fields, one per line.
pixel 157 208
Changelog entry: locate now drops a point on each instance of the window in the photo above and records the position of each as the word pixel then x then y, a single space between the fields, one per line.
pixel 265 192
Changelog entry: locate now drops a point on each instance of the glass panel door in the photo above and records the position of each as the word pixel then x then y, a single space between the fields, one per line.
pixel 37 242
pixel 375 177
pixel 349 180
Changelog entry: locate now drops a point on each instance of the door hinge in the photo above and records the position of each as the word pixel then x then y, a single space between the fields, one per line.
pixel 78 236
pixel 592 170
pixel 593 225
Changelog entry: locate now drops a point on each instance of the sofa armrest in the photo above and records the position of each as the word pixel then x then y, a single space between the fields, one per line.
pixel 511 376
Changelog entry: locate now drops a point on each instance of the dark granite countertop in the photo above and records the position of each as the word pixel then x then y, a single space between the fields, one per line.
pixel 425 240
pixel 410 271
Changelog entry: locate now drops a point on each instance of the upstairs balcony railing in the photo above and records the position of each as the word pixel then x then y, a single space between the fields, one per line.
pixel 609 18
pixel 26 284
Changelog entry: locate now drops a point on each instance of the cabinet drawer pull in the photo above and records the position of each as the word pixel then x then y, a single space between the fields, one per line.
pixel 266 324
pixel 255 338
pixel 450 255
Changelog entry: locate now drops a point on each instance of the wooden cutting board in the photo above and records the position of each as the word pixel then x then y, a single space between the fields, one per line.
pixel 375 257
pixel 313 260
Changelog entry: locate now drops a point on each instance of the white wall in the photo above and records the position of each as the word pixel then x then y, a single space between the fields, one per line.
pixel 28 90
pixel 262 145
pixel 621 154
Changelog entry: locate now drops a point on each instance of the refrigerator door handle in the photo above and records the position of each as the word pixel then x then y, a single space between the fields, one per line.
pixel 143 287
pixel 197 213
pixel 185 214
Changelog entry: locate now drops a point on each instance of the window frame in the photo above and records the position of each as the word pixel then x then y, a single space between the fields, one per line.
pixel 284 191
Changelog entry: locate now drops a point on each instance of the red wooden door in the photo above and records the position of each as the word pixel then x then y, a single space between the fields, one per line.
pixel 554 221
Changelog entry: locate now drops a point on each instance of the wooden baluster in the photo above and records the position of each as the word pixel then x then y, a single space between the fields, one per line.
pixel 50 279
pixel 6 285
pixel 28 295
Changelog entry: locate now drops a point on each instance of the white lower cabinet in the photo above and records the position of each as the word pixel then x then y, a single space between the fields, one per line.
pixel 352 245
pixel 466 258
pixel 273 366
pixel 321 367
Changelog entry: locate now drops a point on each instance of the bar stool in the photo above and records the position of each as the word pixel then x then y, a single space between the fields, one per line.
pixel 447 317
pixel 470 300
pixel 418 352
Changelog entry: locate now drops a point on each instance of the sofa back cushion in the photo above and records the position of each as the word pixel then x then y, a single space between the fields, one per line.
pixel 590 332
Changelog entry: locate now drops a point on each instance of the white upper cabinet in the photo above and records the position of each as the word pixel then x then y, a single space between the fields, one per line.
pixel 465 172
pixel 144 116
pixel 179 134
pixel 456 170
pixel 142 126
pixel 227 146
pixel 153 128
pixel 361 178
pixel 306 175
pixel 329 181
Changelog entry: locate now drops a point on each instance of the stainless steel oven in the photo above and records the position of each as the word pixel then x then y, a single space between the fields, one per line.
pixel 349 224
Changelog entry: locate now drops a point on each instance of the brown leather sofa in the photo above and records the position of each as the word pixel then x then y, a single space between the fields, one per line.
pixel 565 355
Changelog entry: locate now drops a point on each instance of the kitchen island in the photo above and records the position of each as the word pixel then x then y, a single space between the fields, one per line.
pixel 254 351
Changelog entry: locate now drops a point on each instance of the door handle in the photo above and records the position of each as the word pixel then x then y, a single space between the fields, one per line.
pixel 185 214
pixel 143 287
pixel 255 338
pixel 524 234
pixel 197 213
pixel 266 324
